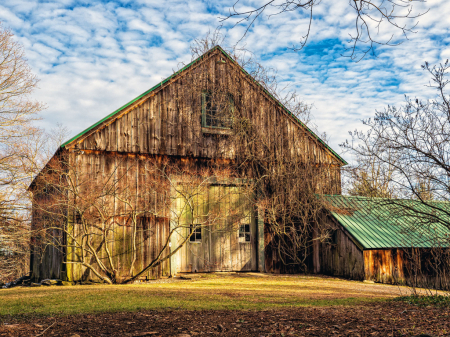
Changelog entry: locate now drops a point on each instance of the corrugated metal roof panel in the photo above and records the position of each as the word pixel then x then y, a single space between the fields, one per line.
pixel 382 223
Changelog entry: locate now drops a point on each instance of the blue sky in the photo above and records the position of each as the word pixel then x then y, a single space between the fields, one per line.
pixel 94 56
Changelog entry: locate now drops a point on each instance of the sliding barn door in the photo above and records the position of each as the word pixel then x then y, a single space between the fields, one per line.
pixel 222 229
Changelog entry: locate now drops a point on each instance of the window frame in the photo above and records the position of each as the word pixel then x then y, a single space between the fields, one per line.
pixel 245 236
pixel 205 94
pixel 197 232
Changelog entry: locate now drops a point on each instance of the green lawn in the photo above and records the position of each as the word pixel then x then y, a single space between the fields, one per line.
pixel 204 291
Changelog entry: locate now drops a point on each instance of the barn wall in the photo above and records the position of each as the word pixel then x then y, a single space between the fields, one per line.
pixel 338 256
pixel 341 257
pixel 46 256
pixel 220 249
pixel 385 265
pixel 132 185
pixel 46 262
pixel 417 267
pixel 127 173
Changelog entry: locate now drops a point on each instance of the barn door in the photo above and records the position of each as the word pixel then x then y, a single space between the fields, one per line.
pixel 224 233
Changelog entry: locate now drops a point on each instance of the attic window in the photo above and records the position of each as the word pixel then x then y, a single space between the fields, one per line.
pixel 196 233
pixel 244 233
pixel 217 110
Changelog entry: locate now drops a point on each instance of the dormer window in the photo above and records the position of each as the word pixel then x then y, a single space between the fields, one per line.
pixel 217 110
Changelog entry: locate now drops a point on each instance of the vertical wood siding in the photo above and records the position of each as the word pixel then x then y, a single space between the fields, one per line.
pixel 152 229
pixel 341 257
pixel 384 265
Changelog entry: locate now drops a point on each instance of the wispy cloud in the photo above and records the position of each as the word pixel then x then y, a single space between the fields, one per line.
pixel 93 57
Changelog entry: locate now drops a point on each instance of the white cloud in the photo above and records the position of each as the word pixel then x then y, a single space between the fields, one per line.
pixel 94 57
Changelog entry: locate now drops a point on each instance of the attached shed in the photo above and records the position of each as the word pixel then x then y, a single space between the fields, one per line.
pixel 384 241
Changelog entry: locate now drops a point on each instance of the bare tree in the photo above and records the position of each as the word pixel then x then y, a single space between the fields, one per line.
pixel 410 144
pixel 17 154
pixel 286 177
pixel 91 218
pixel 371 16
pixel 286 187
pixel 369 178
pixel 405 158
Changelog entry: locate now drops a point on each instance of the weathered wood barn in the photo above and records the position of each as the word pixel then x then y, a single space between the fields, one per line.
pixel 149 186
pixel 187 121
pixel 388 241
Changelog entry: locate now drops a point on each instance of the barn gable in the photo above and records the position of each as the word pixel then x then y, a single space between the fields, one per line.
pixel 157 123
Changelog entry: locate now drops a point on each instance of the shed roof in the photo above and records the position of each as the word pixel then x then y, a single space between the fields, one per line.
pixel 160 84
pixel 378 223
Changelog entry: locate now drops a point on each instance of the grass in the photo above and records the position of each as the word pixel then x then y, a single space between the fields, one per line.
pixel 204 292
pixel 426 300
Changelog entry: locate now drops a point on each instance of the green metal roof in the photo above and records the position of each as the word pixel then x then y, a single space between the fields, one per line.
pixel 160 84
pixel 378 223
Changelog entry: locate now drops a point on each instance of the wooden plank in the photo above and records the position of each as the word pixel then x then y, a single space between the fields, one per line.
pixel 142 129
pixel 135 146
pixel 158 124
pixel 129 132
pixel 152 124
pixel 120 138
pixel 169 120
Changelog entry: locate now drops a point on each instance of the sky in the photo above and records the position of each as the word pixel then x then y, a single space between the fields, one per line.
pixel 94 56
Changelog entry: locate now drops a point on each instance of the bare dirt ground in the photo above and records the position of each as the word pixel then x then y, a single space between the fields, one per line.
pixel 374 319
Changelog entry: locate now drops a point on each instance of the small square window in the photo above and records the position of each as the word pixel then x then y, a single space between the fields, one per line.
pixel 244 233
pixel 217 110
pixel 197 235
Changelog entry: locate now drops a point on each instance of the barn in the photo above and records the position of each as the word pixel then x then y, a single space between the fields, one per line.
pixel 387 241
pixel 146 191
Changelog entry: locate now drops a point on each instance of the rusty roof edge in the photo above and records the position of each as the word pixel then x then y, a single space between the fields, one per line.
pixel 160 84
